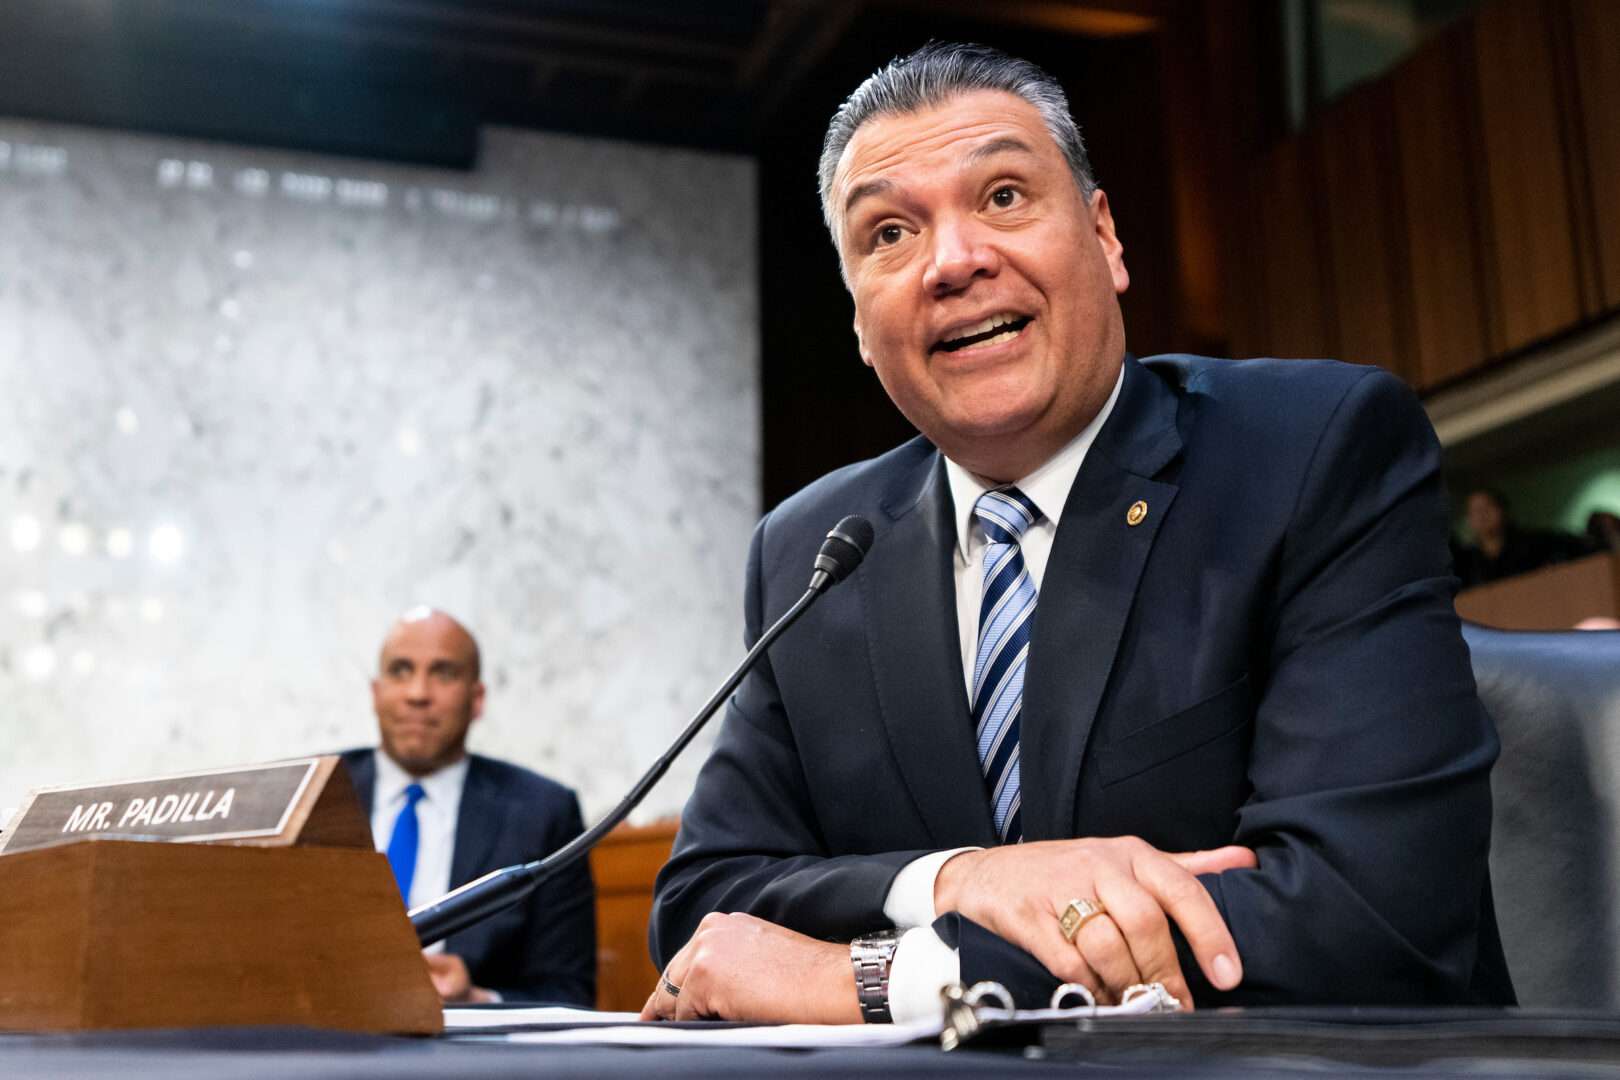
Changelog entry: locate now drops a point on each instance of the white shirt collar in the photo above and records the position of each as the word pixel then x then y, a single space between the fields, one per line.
pixel 442 788
pixel 1047 487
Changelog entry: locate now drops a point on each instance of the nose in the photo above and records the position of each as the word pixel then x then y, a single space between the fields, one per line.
pixel 962 250
pixel 416 691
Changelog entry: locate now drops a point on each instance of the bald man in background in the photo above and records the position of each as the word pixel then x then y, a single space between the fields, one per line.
pixel 445 817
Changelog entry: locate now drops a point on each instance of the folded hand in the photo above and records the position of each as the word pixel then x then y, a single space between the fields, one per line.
pixel 452 980
pixel 737 967
pixel 1021 891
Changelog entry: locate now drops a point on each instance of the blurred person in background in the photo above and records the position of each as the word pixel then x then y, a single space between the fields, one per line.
pixel 1501 548
pixel 1603 530
pixel 445 817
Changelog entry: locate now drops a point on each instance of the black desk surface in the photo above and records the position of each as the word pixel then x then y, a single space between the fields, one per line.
pixel 1257 1043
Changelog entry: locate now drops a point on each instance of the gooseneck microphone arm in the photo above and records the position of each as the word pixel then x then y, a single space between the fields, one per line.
pixel 502 888
pixel 497 890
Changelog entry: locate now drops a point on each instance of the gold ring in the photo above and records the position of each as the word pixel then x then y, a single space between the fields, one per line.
pixel 669 988
pixel 1077 914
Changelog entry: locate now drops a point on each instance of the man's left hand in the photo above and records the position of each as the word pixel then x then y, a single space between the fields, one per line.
pixel 453 982
pixel 1019 892
pixel 737 967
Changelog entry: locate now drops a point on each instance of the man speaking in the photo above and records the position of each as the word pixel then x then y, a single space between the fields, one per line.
pixel 1152 672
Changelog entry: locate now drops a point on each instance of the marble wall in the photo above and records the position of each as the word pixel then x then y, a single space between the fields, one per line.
pixel 254 403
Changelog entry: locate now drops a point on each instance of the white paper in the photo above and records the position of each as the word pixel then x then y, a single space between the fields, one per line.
pixel 475 1019
pixel 770 1037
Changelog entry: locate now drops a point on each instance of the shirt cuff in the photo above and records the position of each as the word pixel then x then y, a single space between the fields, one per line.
pixel 911 898
pixel 922 966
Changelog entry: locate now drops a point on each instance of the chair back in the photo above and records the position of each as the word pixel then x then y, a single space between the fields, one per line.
pixel 1555 871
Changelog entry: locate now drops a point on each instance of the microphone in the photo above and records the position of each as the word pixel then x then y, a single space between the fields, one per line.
pixel 846 545
pixel 841 552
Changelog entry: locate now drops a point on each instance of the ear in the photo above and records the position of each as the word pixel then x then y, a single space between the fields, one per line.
pixel 1102 223
pixel 477 700
pixel 376 696
pixel 860 341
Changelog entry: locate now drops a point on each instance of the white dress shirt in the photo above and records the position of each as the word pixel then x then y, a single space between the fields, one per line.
pixel 922 963
pixel 436 815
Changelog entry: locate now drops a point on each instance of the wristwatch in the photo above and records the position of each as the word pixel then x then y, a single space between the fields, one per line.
pixel 871 955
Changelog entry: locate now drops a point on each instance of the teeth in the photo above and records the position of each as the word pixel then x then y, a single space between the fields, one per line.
pixel 981 328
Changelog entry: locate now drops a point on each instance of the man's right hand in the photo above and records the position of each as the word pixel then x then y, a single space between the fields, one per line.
pixel 1020 891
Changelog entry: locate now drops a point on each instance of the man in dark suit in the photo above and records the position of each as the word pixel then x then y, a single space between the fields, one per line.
pixel 446 817
pixel 1151 673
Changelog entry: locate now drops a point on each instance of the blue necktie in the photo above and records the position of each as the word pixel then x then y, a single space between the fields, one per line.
pixel 402 844
pixel 1005 616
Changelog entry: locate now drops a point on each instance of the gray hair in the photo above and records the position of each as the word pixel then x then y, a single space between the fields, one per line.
pixel 936 73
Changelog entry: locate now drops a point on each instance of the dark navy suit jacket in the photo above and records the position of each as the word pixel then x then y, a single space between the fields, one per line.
pixel 543 949
pixel 1269 658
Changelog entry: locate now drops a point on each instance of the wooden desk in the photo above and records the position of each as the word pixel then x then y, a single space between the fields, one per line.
pixel 1552 598
pixel 624 866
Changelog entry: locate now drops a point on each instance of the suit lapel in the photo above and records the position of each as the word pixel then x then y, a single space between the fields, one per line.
pixel 1087 592
pixel 908 586
pixel 479 822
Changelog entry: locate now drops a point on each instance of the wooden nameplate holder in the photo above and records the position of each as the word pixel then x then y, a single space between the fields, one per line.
pixel 267 906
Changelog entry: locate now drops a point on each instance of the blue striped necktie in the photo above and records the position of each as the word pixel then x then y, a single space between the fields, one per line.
pixel 1005 616
pixel 402 844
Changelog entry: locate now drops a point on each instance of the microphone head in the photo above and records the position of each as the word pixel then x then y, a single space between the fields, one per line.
pixel 846 545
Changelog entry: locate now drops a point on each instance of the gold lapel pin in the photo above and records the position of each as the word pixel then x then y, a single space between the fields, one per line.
pixel 1136 514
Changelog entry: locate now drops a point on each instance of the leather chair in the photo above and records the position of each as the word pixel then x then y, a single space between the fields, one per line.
pixel 1555 870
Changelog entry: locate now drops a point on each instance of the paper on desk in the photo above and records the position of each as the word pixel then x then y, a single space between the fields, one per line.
pixel 476 1019
pixel 621 1029
pixel 770 1037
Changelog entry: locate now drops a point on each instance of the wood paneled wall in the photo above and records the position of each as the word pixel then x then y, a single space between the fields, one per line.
pixel 1595 30
pixel 1295 271
pixel 1458 210
pixel 1439 191
pixel 1530 265
pixel 624 865
pixel 1362 203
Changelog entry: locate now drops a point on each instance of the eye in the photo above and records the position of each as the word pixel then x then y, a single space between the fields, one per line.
pixel 888 235
pixel 1005 197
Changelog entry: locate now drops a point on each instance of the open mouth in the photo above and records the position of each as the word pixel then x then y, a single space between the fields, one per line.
pixel 994 330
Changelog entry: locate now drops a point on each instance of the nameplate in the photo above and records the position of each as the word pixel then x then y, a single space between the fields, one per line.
pixel 244 804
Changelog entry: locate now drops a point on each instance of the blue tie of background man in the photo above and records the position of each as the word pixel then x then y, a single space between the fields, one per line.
pixel 402 844
pixel 1005 615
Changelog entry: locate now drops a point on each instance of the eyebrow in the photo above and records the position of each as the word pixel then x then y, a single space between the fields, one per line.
pixel 862 191
pixel 999 146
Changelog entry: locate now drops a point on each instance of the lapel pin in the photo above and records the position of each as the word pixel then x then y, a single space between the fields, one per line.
pixel 1136 514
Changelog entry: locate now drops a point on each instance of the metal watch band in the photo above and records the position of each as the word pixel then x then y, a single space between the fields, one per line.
pixel 871 955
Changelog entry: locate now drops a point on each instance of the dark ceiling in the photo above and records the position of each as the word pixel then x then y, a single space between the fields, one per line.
pixel 412 79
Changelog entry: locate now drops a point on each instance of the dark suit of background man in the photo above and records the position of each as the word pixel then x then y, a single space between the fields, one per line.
pixel 1247 727
pixel 473 815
